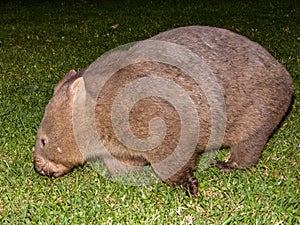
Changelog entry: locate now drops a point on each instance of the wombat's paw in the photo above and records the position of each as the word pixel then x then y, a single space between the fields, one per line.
pixel 225 166
pixel 192 185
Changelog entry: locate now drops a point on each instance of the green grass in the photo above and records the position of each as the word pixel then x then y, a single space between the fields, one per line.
pixel 42 40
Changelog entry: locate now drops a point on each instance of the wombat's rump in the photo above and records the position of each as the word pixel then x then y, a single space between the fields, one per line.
pixel 257 93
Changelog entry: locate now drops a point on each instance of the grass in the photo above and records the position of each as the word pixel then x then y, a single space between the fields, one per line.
pixel 42 40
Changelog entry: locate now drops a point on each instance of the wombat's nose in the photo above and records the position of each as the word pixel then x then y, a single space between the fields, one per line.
pixel 48 168
pixel 42 166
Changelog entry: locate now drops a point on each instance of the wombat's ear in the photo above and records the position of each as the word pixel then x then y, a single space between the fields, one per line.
pixel 76 84
pixel 77 89
pixel 65 78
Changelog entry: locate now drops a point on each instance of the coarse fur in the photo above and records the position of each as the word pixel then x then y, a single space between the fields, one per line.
pixel 257 91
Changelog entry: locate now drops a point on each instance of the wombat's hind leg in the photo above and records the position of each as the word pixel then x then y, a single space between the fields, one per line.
pixel 244 154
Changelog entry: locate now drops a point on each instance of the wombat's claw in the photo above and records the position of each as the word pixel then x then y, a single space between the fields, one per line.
pixel 192 185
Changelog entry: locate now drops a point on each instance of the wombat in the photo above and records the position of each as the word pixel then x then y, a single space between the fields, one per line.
pixel 257 92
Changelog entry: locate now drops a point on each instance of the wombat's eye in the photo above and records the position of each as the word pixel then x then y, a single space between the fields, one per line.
pixel 44 141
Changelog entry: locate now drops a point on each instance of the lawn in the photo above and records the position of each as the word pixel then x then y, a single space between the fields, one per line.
pixel 42 40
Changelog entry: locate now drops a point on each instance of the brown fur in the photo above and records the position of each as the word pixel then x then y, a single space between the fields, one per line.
pixel 257 91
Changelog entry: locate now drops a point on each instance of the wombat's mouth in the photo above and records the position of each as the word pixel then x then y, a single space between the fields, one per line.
pixel 48 168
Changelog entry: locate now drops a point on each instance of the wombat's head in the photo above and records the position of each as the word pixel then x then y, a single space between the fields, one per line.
pixel 56 152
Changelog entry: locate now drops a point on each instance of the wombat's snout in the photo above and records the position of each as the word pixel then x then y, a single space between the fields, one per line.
pixel 48 168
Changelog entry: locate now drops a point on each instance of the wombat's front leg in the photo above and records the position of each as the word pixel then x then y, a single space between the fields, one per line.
pixel 186 179
pixel 191 184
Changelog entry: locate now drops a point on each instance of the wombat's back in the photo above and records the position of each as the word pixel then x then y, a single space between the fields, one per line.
pixel 257 88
